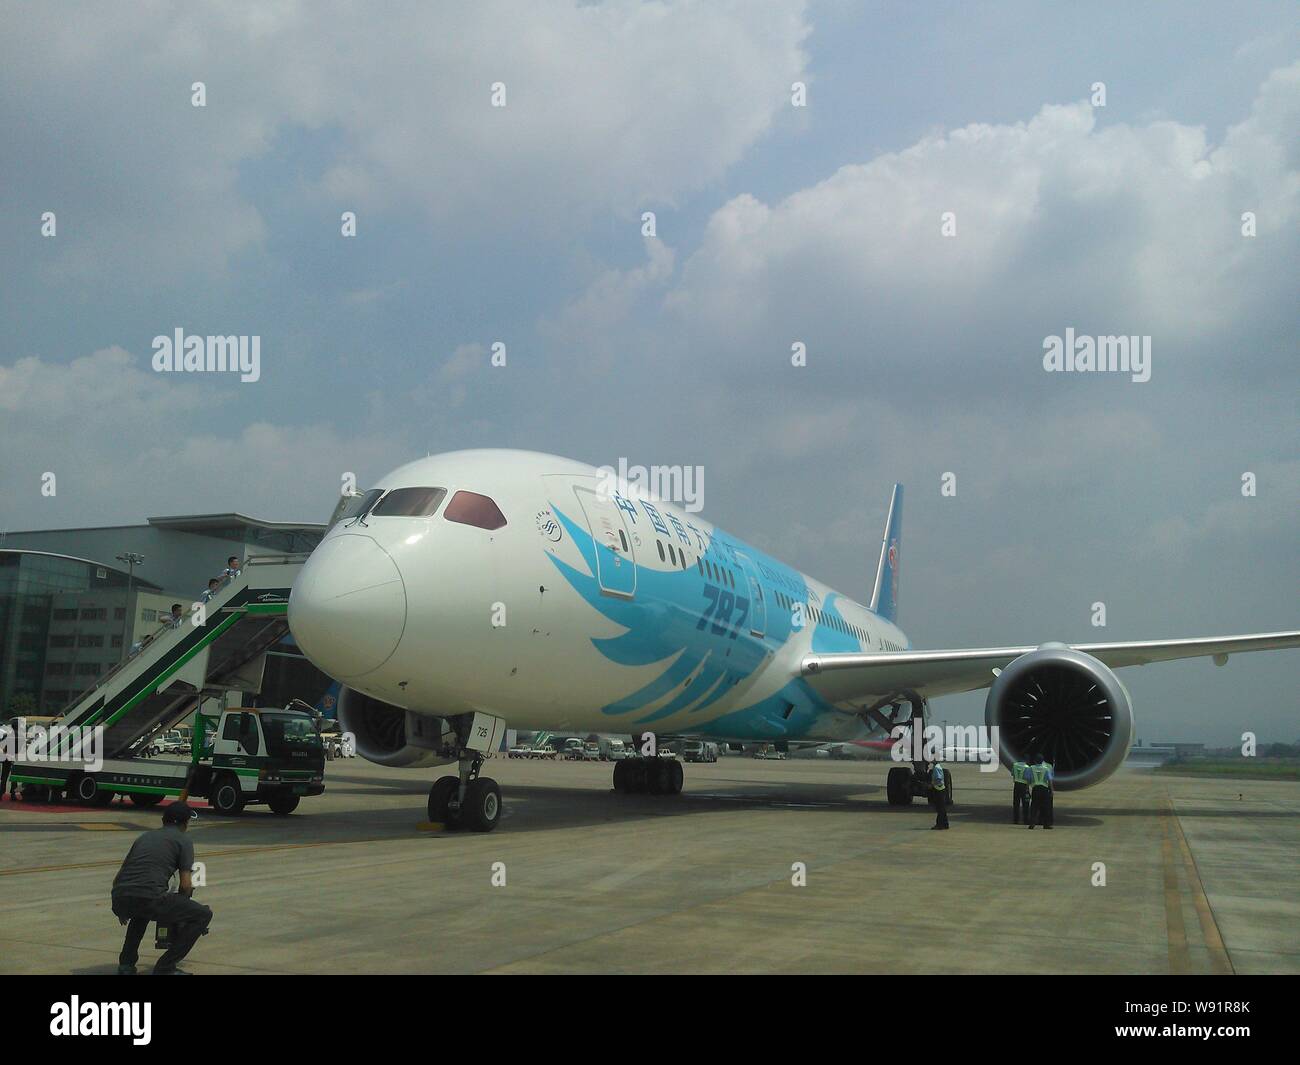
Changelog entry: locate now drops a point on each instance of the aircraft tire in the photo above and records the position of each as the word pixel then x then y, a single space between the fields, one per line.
pixel 638 774
pixel 481 810
pixel 620 775
pixel 439 796
pixel 676 777
pixel 898 786
pixel 947 779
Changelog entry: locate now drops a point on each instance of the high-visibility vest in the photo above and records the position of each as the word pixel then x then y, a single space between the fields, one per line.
pixel 937 778
pixel 1018 771
pixel 1042 774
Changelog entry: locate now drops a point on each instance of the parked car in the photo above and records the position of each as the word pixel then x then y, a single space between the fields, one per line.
pixel 547 752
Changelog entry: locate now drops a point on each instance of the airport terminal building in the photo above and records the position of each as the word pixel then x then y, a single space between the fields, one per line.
pixel 70 610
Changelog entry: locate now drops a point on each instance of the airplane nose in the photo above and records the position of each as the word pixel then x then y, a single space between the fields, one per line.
pixel 347 609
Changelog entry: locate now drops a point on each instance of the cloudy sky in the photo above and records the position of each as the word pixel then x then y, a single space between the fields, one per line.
pixel 775 225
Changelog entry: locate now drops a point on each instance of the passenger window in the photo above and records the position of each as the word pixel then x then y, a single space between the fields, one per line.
pixel 622 536
pixel 699 565
pixel 660 544
pixel 410 502
pixel 470 508
pixel 672 554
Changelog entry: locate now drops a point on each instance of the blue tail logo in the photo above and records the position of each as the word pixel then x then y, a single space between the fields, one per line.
pixel 884 597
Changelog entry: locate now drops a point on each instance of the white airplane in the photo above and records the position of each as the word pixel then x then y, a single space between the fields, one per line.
pixel 476 588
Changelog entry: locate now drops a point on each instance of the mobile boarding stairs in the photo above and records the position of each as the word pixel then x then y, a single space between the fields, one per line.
pixel 161 685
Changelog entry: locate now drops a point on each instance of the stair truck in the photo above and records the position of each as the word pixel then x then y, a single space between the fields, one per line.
pixel 266 755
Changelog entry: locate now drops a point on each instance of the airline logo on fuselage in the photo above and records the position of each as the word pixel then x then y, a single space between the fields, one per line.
pixel 549 527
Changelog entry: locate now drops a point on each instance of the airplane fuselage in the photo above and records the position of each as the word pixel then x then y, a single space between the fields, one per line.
pixel 544 591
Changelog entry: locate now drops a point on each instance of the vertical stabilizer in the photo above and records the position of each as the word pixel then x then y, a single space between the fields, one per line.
pixel 884 597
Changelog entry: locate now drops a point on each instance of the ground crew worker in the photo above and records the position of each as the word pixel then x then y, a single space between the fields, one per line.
pixel 1040 783
pixel 140 893
pixel 8 738
pixel 939 794
pixel 1019 792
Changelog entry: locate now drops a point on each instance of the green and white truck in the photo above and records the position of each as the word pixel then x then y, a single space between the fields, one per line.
pixel 261 755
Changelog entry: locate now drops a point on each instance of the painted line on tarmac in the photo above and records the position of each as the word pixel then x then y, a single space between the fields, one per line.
pixel 1180 961
pixel 1220 961
pixel 267 849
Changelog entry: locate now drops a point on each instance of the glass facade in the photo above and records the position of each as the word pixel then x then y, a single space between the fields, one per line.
pixel 38 591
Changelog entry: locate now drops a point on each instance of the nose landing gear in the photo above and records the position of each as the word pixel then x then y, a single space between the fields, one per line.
pixel 469 800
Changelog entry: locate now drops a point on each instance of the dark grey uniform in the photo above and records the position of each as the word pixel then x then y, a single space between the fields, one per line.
pixel 140 895
pixel 6 767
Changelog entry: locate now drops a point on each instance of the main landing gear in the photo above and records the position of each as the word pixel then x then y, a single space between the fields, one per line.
pixel 469 800
pixel 653 776
pixel 905 783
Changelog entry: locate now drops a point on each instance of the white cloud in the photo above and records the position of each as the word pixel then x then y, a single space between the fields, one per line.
pixel 609 107
pixel 124 442
pixel 591 323
pixel 1060 221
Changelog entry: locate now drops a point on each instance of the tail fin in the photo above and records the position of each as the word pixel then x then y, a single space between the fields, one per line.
pixel 884 597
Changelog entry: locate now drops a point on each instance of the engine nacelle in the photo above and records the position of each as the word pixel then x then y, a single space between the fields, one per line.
pixel 388 735
pixel 1067 706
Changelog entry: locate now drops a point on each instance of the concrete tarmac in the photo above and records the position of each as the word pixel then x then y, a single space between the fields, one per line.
pixel 1200 876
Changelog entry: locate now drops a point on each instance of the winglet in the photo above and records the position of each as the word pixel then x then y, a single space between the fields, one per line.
pixel 884 597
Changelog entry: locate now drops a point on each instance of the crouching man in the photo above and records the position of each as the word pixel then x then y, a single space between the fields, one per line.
pixel 140 892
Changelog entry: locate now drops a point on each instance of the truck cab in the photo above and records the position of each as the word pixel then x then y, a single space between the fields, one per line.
pixel 265 755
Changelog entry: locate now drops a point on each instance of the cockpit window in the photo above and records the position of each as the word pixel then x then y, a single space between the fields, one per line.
pixel 354 506
pixel 410 502
pixel 470 508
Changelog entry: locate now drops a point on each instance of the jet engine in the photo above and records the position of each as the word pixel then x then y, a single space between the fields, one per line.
pixel 389 735
pixel 1064 705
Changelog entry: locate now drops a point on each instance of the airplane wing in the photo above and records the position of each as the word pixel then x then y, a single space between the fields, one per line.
pixel 867 677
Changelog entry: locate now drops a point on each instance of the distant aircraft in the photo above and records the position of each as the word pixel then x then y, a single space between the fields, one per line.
pixel 476 588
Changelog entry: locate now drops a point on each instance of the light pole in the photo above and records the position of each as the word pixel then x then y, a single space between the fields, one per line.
pixel 132 560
